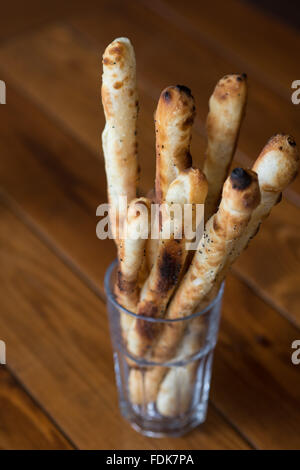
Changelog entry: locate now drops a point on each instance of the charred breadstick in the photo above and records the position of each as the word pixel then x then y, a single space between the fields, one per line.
pixel 240 197
pixel 131 255
pixel 120 103
pixel 226 110
pixel 276 167
pixel 189 187
pixel 174 118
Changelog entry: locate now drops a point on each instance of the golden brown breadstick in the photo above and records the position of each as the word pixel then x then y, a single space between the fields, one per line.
pixel 145 384
pixel 174 118
pixel 226 110
pixel 276 167
pixel 152 243
pixel 131 254
pixel 189 187
pixel 176 390
pixel 120 103
pixel 240 197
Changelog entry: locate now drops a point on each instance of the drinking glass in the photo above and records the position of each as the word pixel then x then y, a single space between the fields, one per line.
pixel 166 397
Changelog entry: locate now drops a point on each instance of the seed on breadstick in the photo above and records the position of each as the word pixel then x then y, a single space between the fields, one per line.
pixel 120 103
pixel 240 197
pixel 131 255
pixel 226 110
pixel 189 187
pixel 174 119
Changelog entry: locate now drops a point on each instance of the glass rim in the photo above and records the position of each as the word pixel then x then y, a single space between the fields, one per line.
pixel 110 295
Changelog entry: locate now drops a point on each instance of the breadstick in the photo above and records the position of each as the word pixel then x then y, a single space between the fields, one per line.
pixel 131 256
pixel 226 110
pixel 152 243
pixel 176 390
pixel 189 187
pixel 120 103
pixel 240 197
pixel 276 167
pixel 174 118
pixel 144 384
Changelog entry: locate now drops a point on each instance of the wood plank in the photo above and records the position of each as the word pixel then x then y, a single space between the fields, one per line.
pixel 23 425
pixel 57 182
pixel 18 17
pixel 57 334
pixel 78 179
pixel 254 380
pixel 242 33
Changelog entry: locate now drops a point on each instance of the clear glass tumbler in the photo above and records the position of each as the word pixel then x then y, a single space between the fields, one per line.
pixel 164 393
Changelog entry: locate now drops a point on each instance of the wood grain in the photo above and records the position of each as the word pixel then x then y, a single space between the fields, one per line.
pixel 47 193
pixel 23 425
pixel 53 320
pixel 242 33
pixel 56 181
pixel 254 380
pixel 195 64
pixel 73 323
pixel 70 99
pixel 18 17
pixel 57 334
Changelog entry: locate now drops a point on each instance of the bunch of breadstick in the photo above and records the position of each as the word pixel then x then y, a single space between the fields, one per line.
pixel 159 277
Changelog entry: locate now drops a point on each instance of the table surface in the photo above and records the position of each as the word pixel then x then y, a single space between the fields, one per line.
pixel 57 390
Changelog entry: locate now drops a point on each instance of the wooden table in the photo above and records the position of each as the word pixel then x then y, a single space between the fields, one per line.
pixel 57 390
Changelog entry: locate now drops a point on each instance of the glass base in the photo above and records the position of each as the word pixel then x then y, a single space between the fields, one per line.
pixel 156 426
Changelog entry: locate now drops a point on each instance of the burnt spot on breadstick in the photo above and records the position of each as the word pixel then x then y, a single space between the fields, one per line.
pixel 291 141
pixel 145 328
pixel 148 330
pixel 148 309
pixel 188 122
pixel 231 87
pixel 107 61
pixel 184 89
pixel 118 85
pixel 169 269
pixel 124 285
pixel 241 77
pixel 167 96
pixel 240 179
